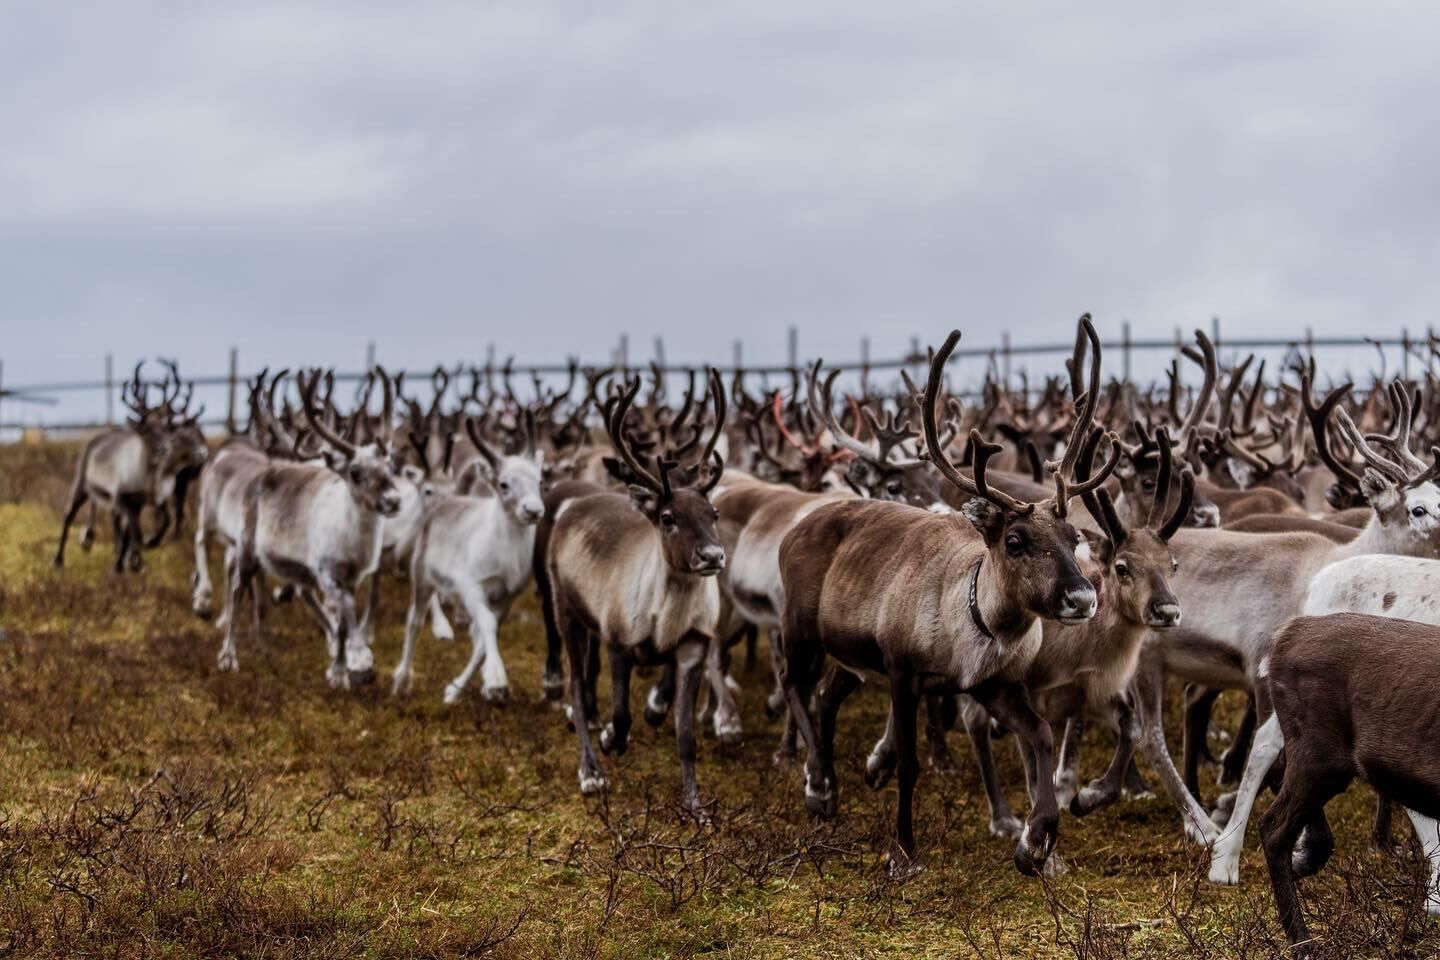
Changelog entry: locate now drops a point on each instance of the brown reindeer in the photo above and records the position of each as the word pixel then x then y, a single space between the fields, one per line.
pixel 934 603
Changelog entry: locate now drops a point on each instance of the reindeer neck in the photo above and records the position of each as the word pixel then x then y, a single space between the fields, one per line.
pixel 1004 619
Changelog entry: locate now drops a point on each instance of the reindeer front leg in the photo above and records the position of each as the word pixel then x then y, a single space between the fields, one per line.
pixel 689 671
pixel 162 516
pixel 1010 704
pixel 1003 822
pixel 1101 793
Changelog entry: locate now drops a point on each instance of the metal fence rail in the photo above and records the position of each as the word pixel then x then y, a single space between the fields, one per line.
pixel 1422 349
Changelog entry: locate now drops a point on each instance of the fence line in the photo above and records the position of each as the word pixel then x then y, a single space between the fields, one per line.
pixel 1426 349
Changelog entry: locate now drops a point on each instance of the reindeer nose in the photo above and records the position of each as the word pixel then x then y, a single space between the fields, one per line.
pixel 710 558
pixel 1078 603
pixel 1164 614
pixel 390 503
pixel 531 511
pixel 1205 515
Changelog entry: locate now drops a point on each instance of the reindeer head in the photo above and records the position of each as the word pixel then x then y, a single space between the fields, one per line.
pixel 1031 546
pixel 882 471
pixel 676 500
pixel 1137 560
pixel 370 470
pixel 517 478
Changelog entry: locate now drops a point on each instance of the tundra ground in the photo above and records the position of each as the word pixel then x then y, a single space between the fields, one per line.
pixel 151 806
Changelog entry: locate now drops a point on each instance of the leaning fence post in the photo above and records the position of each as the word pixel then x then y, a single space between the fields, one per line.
pixel 1405 354
pixel 1215 331
pixel 369 356
pixel 110 389
pixel 792 347
pixel 1005 358
pixel 231 383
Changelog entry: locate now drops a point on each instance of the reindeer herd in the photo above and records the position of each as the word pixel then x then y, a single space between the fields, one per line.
pixel 1031 561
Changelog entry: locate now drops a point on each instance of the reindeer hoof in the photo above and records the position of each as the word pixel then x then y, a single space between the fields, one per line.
pixel 135 562
pixel 655 717
pixel 902 866
pixel 87 539
pixel 496 694
pixel 1224 869
pixel 360 678
pixel 821 803
pixel 553 685
pixel 226 662
pixel 1008 828
pixel 336 677
pixel 453 692
pixel 610 742
pixel 592 784
pixel 400 684
pixel 879 768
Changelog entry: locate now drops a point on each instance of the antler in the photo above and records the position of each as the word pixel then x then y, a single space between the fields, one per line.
pixel 615 427
pixel 1319 418
pixel 823 407
pixel 1066 485
pixel 981 450
pixel 1207 360
pixel 316 418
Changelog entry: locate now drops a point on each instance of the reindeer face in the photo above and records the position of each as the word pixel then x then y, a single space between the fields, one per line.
pixel 689 527
pixel 518 483
pixel 1035 555
pixel 1418 509
pixel 190 448
pixel 1137 496
pixel 371 475
pixel 1137 578
pixel 915 486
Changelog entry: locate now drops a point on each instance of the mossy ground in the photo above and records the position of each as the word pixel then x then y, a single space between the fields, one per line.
pixel 151 806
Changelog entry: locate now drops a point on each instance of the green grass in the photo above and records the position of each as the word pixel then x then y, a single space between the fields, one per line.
pixel 150 806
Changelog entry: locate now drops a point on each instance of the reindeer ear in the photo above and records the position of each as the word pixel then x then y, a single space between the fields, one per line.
pixel 645 499
pixel 1383 496
pixel 986 517
pixel 616 469
pixel 335 460
pixel 1100 546
pixel 863 474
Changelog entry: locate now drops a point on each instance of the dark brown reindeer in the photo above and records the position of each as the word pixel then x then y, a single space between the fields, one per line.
pixel 935 603
pixel 1354 696
pixel 634 573
pixel 125 469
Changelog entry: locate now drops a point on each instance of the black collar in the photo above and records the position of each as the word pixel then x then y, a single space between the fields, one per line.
pixel 975 605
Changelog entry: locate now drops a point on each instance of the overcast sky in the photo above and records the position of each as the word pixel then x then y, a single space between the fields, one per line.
pixel 298 178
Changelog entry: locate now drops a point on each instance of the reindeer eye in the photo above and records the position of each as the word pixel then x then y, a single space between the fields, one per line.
pixel 355 474
pixel 893 488
pixel 1174 566
pixel 1148 483
pixel 1122 570
pixel 504 486
pixel 667 519
pixel 1014 545
pixel 1417 511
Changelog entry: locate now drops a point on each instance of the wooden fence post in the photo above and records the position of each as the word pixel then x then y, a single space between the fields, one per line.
pixel 231 383
pixel 110 389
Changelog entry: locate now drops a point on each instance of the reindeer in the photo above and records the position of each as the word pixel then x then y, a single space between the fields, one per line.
pixel 124 469
pixel 1086 669
pixel 1405 588
pixel 1239 587
pixel 635 572
pixel 476 551
pixel 1353 696
pixel 934 603
pixel 320 527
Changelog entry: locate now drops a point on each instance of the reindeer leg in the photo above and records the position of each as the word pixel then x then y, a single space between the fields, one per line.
pixel 441 629
pixel 880 764
pixel 1010 704
pixel 241 570
pixel 794 678
pixel 420 598
pixel 1003 822
pixel 752 643
pixel 904 703
pixel 1149 687
pixel 495 682
pixel 1067 764
pixel 940 712
pixel 1306 789
pixel 1232 761
pixel 1381 831
pixel 77 500
pixel 615 736
pixel 657 702
pixel 592 780
pixel 162 516
pixel 483 627
pixel 552 680
pixel 1100 793
pixel 1225 854
pixel 202 591
pixel 834 689
pixel 689 670
pixel 723 711
pixel 1428 832
pixel 1195 745
pixel 87 535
